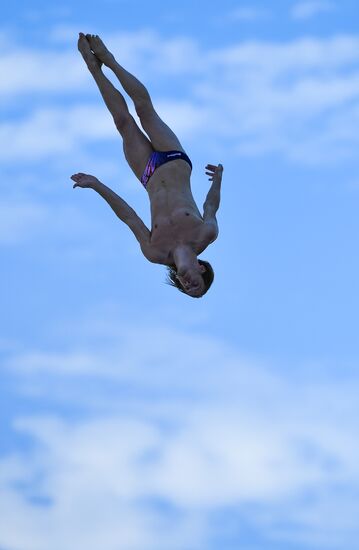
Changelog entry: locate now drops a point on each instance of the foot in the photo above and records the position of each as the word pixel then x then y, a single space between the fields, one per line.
pixel 100 50
pixel 92 62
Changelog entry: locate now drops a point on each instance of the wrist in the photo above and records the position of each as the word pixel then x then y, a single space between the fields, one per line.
pixel 216 184
pixel 97 185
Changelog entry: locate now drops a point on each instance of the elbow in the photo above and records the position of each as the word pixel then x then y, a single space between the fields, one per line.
pixel 210 209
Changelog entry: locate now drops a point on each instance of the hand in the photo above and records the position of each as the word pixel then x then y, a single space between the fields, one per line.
pixel 215 172
pixel 84 181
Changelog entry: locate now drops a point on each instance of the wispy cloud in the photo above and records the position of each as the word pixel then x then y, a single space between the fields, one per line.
pixel 30 70
pixel 297 99
pixel 276 453
pixel 52 131
pixel 37 221
pixel 306 10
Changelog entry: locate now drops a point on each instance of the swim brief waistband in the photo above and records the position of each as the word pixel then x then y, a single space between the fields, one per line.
pixel 161 157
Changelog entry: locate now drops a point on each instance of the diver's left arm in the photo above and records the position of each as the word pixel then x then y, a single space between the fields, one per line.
pixel 211 204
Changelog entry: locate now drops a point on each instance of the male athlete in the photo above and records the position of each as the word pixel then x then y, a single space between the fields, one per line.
pixel 179 232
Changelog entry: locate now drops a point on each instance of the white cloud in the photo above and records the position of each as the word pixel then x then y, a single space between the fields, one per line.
pixel 25 220
pixel 198 429
pixel 185 117
pixel 285 100
pixel 54 131
pixel 305 10
pixel 297 99
pixel 28 70
pixel 142 51
pixel 93 491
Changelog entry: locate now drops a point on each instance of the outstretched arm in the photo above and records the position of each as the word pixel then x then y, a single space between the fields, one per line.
pixel 118 205
pixel 211 204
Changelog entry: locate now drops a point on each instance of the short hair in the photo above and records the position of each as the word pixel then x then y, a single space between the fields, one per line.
pixel 207 277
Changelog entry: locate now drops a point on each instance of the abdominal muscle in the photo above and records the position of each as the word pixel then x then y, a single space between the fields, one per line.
pixel 174 213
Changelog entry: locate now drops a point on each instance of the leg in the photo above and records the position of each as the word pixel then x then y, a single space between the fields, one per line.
pixel 136 146
pixel 161 136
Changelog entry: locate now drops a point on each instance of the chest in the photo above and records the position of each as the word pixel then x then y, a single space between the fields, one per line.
pixel 181 227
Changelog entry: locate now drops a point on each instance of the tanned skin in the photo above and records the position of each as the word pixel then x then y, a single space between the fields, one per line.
pixel 179 231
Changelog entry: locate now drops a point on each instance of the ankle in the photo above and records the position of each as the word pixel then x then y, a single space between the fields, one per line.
pixel 110 61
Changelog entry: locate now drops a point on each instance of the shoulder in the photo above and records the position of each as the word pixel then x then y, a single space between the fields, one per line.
pixel 152 253
pixel 207 235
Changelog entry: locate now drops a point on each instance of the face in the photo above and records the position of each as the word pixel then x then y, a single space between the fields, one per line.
pixel 192 281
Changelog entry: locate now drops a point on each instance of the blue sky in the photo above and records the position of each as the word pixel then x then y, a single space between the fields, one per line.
pixel 134 417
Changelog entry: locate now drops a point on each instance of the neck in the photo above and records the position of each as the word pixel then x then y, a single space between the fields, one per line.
pixel 184 257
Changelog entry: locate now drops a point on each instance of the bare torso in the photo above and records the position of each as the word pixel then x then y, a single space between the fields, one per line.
pixel 174 213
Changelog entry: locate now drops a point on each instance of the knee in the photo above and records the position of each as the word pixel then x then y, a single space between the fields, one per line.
pixel 122 120
pixel 143 106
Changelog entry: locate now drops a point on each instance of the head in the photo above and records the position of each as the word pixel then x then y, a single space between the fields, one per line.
pixel 194 282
